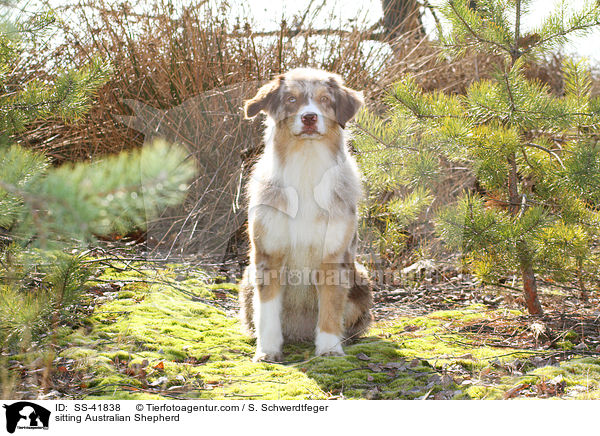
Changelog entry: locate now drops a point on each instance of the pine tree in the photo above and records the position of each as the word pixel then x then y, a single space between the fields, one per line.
pixel 47 214
pixel 534 155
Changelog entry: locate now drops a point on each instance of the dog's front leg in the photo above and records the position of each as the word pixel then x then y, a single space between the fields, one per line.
pixel 267 310
pixel 332 301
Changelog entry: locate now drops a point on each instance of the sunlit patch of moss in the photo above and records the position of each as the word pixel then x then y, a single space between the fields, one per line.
pixel 581 377
pixel 224 286
pixel 120 270
pixel 126 294
pixel 195 347
pixel 156 341
pixel 578 379
pixel 564 345
pixel 474 392
pixel 173 333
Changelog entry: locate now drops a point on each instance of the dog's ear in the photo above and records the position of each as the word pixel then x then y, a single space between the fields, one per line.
pixel 347 101
pixel 265 99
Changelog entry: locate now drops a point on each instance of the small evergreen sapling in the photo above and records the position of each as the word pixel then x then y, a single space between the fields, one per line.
pixel 47 214
pixel 534 155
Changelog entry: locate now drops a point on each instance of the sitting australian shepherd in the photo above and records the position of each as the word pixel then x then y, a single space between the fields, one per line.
pixel 303 282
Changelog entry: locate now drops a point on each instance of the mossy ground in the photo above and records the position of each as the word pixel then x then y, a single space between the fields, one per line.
pixel 159 336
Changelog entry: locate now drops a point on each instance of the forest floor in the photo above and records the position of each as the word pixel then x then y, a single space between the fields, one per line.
pixel 171 332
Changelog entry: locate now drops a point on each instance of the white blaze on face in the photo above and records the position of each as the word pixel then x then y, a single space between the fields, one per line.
pixel 311 107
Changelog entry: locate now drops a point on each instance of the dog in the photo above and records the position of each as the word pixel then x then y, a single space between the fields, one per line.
pixel 303 282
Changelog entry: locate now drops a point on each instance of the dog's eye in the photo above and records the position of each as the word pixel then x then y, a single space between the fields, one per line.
pixel 291 99
pixel 324 99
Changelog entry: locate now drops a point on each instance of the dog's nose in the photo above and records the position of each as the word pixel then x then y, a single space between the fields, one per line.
pixel 309 119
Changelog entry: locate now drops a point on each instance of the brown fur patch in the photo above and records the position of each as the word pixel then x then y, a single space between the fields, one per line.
pixel 268 275
pixel 246 303
pixel 267 266
pixel 357 317
pixel 332 302
pixel 266 99
pixel 333 293
pixel 347 101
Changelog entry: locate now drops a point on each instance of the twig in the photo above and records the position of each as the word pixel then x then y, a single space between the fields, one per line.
pixel 547 150
pixel 516 53
pixel 475 35
pixel 193 296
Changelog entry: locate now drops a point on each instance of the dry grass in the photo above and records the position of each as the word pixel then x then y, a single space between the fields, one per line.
pixel 163 58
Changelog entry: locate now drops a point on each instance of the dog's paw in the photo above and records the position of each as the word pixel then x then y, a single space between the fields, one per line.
pixel 328 344
pixel 331 353
pixel 275 357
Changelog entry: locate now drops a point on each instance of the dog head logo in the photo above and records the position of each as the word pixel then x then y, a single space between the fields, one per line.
pixel 24 414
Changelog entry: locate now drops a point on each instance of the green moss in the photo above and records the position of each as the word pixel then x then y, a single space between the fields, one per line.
pixel 224 286
pixel 159 343
pixel 571 336
pixel 579 378
pixel 193 345
pixel 564 345
pixel 479 393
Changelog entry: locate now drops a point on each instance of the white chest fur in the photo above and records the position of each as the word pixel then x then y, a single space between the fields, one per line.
pixel 313 182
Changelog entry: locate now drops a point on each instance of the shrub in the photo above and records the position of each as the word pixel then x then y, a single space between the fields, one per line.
pixel 533 154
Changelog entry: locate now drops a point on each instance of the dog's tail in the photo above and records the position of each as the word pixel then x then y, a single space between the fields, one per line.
pixel 246 295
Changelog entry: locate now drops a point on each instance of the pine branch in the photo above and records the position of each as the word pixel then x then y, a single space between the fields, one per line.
pixel 563 33
pixel 473 33
pixel 550 152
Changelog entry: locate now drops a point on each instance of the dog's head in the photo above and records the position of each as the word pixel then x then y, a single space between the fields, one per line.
pixel 308 102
